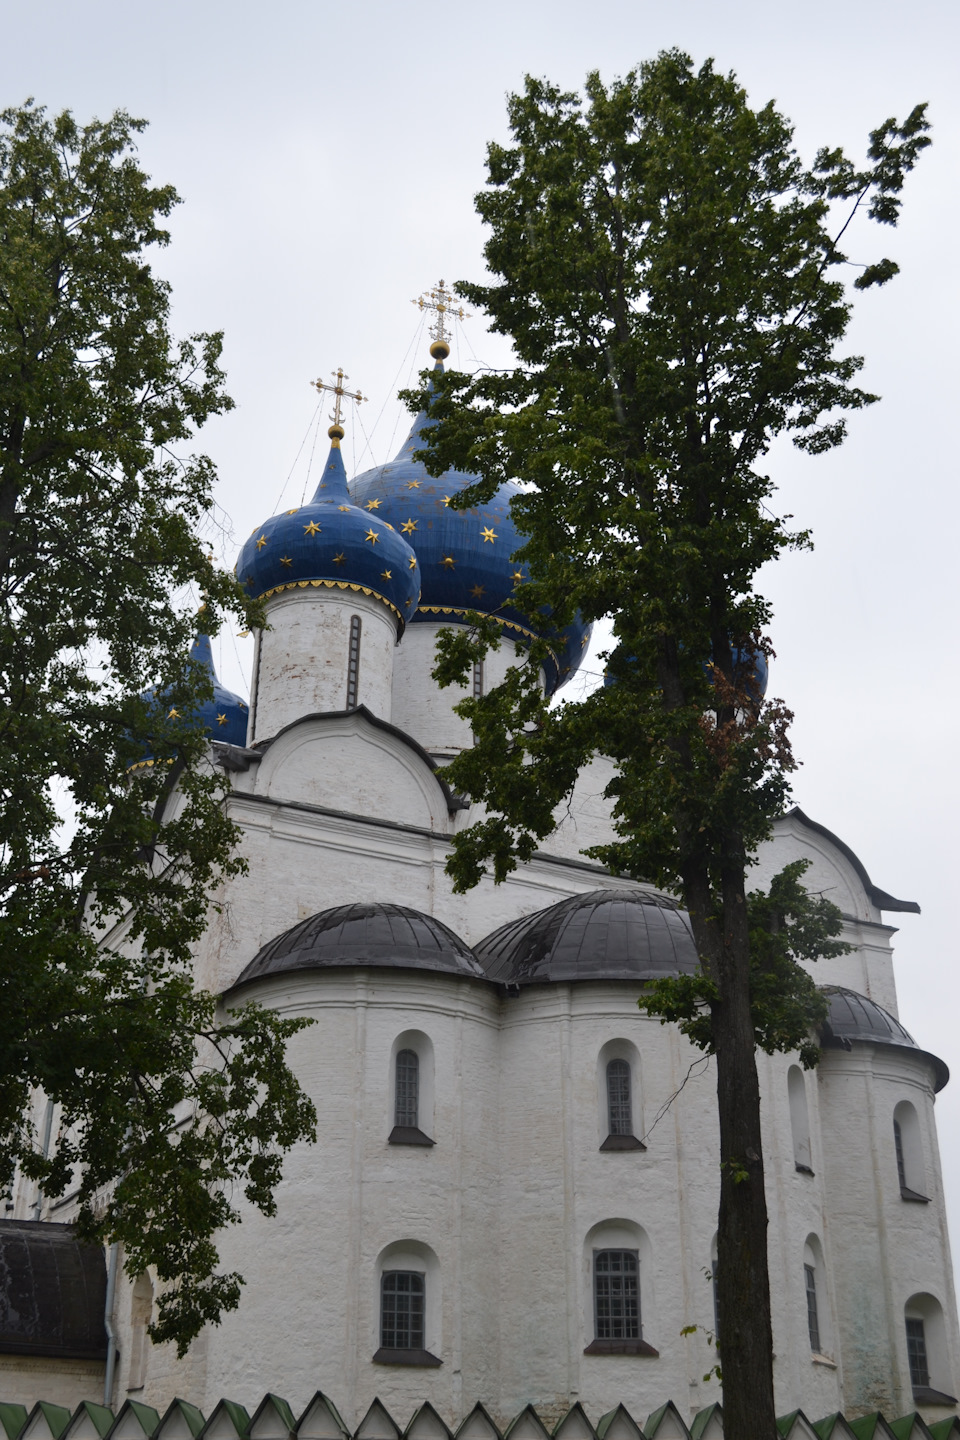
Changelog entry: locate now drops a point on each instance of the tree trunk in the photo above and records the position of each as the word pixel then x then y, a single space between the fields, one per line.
pixel 743 1282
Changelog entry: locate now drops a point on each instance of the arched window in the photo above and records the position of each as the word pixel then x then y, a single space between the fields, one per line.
pixel 613 1269
pixel 407 1328
pixel 908 1148
pixel 817 1301
pixel 408 1089
pixel 813 1317
pixel 353 663
pixel 928 1355
pixel 799 1120
pixel 616 1082
pixel 411 1089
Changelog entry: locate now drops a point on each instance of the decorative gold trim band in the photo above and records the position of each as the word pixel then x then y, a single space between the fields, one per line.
pixel 505 624
pixel 334 585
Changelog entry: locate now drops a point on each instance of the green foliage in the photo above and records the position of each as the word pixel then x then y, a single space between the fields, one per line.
pixel 162 1105
pixel 671 277
pixel 787 925
pixel 666 270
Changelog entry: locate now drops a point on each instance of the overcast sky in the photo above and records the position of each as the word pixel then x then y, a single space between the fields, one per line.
pixel 327 156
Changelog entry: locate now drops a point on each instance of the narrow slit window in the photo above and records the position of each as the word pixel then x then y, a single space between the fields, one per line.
pixel 408 1089
pixel 917 1353
pixel 478 679
pixel 619 1109
pixel 901 1167
pixel 353 663
pixel 401 1310
pixel 813 1321
pixel 616 1294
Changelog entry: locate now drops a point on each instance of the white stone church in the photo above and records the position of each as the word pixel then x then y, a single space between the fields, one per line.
pixel 508 1221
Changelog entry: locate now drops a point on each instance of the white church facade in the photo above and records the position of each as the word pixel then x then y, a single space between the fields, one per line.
pixel 513 1197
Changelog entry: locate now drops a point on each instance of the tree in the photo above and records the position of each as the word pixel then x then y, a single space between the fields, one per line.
pixel 164 1104
pixel 665 268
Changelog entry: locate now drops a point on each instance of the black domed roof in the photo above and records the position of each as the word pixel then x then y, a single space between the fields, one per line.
pixel 390 936
pixel 854 1017
pixel 603 935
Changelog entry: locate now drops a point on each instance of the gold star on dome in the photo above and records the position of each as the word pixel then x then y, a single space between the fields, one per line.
pixel 477 591
pixel 406 602
pixel 517 577
pixel 372 536
pixel 173 715
pixel 374 504
pixel 339 559
pixel 294 511
pixel 285 560
pixel 221 719
pixel 408 527
pixel 386 574
pixel 448 562
pixel 414 484
pixel 412 563
pixel 488 533
pixel 447 499
pixel 343 507
pixel 312 529
pixel 261 542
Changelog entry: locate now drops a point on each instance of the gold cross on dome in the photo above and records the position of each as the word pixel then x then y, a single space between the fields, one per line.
pixel 441 301
pixel 338 390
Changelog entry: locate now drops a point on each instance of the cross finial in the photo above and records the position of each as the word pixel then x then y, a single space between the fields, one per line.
pixel 441 301
pixel 341 395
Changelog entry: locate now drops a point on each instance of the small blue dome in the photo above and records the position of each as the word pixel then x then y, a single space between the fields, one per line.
pixel 334 544
pixel 756 677
pixel 224 717
pixel 464 555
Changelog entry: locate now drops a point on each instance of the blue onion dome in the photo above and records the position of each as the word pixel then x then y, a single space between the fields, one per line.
pixel 383 936
pixel 224 717
pixel 602 935
pixel 333 544
pixel 465 555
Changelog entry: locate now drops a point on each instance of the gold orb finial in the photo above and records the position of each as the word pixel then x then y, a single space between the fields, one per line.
pixel 336 433
pixel 439 349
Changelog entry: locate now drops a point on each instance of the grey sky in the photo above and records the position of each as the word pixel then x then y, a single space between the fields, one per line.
pixel 327 156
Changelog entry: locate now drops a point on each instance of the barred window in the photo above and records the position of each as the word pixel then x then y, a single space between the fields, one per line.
pixel 813 1322
pixel 353 663
pixel 408 1089
pixel 619 1110
pixel 917 1353
pixel 401 1310
pixel 477 679
pixel 616 1294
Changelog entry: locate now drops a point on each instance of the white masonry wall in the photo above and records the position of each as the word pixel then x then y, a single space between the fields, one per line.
pixel 300 665
pixel 425 711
